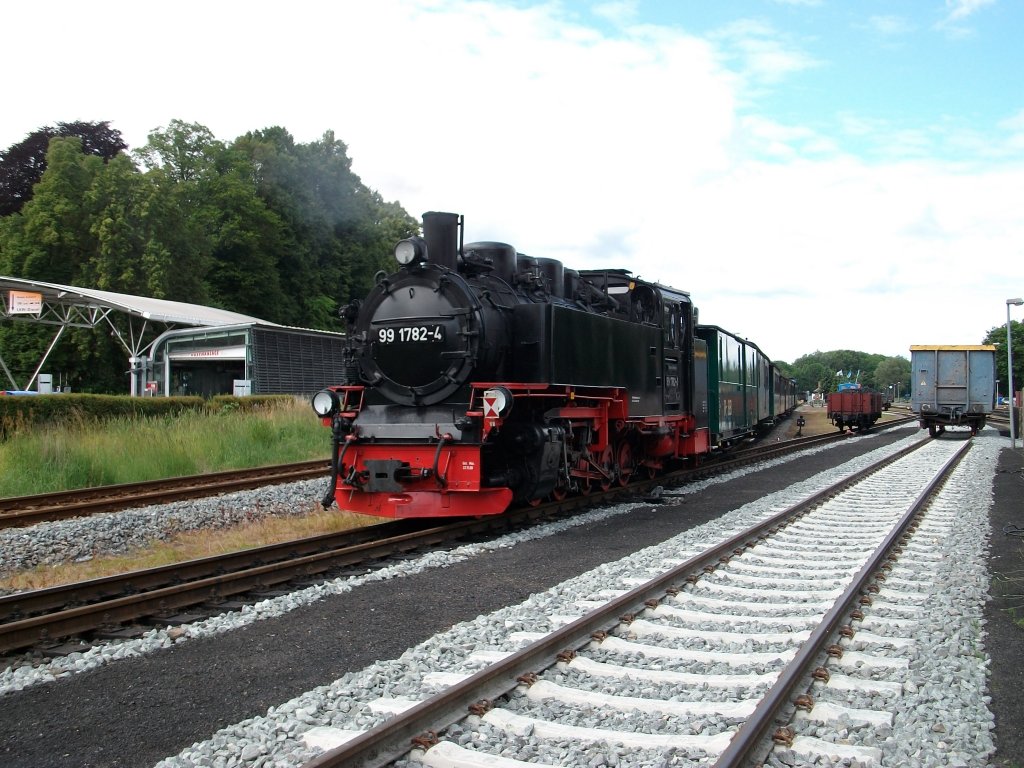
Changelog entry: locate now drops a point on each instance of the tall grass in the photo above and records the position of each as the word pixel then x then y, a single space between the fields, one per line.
pixel 87 454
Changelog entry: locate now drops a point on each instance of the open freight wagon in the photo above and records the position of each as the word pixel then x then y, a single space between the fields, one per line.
pixel 952 385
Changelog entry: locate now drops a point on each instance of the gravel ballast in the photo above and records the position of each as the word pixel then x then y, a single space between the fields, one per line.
pixel 324 649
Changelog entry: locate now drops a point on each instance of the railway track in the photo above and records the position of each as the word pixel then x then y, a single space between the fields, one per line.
pixel 772 640
pixel 20 511
pixel 17 511
pixel 130 604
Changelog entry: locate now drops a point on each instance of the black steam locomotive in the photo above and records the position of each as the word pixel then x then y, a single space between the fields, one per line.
pixel 478 376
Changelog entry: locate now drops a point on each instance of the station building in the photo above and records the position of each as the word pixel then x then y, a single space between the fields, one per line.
pixel 176 348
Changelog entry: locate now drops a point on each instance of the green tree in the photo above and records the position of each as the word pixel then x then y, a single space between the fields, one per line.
pixel 339 232
pixel 76 230
pixel 826 370
pixel 264 226
pixel 997 336
pixel 54 236
pixel 22 164
pixel 893 372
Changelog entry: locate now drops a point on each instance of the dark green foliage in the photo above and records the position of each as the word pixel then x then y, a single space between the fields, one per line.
pixel 22 165
pixel 819 371
pixel 997 336
pixel 262 226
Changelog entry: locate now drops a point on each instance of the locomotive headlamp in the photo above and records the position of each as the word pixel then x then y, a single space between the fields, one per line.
pixel 326 403
pixel 411 250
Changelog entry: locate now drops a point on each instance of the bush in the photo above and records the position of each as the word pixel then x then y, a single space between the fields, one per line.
pixel 19 412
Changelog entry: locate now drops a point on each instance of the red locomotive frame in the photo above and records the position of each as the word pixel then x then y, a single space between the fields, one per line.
pixel 445 477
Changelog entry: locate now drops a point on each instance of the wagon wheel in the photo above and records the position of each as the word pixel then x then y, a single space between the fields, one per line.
pixel 624 458
pixel 559 493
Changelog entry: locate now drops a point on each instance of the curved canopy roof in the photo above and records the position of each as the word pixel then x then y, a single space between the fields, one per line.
pixel 63 302
pixel 71 306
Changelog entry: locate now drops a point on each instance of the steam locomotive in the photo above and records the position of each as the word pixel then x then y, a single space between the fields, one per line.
pixel 477 377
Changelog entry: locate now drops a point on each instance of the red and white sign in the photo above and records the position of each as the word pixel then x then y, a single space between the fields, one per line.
pixel 494 403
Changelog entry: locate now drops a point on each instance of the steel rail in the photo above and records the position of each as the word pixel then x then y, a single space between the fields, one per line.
pixel 388 741
pixel 16 511
pixel 45 615
pixel 37 629
pixel 23 604
pixel 751 735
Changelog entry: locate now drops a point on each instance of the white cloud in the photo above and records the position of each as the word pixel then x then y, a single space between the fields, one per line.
pixel 890 26
pixel 961 9
pixel 958 11
pixel 760 52
pixel 644 148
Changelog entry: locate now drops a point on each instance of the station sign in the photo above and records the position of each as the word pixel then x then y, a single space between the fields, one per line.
pixel 214 353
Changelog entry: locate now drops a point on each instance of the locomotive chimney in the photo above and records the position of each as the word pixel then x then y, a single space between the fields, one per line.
pixel 441 234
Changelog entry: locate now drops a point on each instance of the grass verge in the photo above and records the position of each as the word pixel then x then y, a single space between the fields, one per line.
pixel 89 454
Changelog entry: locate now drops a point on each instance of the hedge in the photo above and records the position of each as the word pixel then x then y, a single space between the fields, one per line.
pixel 25 411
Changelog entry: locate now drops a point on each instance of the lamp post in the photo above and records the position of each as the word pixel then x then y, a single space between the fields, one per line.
pixel 1009 368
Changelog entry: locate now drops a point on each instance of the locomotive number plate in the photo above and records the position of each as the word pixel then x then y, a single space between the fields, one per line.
pixel 411 333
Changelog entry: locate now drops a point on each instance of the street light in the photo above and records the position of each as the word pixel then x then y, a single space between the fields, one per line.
pixel 1009 368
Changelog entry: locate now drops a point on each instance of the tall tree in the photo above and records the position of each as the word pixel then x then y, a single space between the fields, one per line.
pixel 55 229
pixel 264 226
pixel 893 372
pixel 22 165
pixel 339 231
pixel 997 336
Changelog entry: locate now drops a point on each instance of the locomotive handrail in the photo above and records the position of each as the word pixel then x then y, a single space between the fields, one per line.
pixel 442 480
pixel 337 460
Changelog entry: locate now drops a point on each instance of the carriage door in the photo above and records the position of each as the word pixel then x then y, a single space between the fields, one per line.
pixel 672 388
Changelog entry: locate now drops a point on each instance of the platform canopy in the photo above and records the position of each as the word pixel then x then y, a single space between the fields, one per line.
pixel 65 306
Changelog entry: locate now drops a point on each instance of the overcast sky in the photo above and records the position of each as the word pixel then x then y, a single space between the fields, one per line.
pixel 818 174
